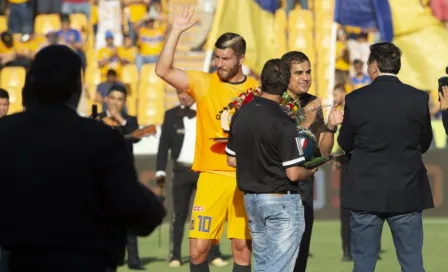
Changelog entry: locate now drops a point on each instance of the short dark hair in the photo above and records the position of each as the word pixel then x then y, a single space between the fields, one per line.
pixel 54 76
pixel 275 77
pixel 111 72
pixel 118 88
pixel 357 61
pixel 387 56
pixel 4 94
pixel 295 57
pixel 232 40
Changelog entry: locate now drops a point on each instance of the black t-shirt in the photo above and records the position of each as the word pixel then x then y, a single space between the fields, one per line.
pixel 264 141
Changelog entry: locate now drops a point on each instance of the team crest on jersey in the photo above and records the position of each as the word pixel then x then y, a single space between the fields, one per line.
pixel 198 208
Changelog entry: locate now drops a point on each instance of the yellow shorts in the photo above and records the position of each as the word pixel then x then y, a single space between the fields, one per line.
pixel 218 199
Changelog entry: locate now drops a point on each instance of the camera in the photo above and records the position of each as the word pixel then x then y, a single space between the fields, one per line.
pixel 443 81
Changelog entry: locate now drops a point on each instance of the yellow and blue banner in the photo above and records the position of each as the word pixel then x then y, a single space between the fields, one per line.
pixel 409 25
pixel 254 20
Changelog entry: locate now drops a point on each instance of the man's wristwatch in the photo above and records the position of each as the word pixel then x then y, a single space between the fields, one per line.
pixel 331 130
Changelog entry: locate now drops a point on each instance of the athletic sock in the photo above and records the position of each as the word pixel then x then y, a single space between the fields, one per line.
pixel 203 267
pixel 241 268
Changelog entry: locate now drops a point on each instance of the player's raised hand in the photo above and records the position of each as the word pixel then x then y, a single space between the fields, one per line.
pixel 182 20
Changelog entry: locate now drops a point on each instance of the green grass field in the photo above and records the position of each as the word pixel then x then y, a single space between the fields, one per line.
pixel 325 247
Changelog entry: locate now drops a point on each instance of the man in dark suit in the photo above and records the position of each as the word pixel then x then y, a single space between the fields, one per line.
pixel 69 190
pixel 386 129
pixel 126 124
pixel 179 137
pixel 444 107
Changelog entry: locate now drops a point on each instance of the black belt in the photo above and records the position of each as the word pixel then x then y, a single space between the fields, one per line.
pixel 280 193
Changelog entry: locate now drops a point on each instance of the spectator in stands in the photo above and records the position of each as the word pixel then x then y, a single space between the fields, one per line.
pixel 20 18
pixel 71 37
pixel 150 40
pixel 342 58
pixel 77 6
pixel 12 53
pixel 108 56
pixel 135 11
pixel 339 96
pixel 128 52
pixel 360 79
pixel 359 48
pixel 4 103
pixel 102 90
pixel 49 6
pixel 440 10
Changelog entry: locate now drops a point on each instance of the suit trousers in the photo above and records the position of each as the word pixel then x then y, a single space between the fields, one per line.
pixel 407 234
pixel 304 251
pixel 132 248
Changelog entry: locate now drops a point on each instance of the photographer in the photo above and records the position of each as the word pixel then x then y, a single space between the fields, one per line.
pixel 444 107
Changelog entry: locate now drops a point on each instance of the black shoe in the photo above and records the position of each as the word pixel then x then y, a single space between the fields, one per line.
pixel 310 255
pixel 136 266
pixel 347 258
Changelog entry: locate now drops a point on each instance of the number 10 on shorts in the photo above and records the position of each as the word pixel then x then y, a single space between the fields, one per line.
pixel 204 223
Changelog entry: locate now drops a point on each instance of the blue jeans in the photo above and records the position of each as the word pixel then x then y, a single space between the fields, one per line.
pixel 71 8
pixel 141 60
pixel 276 224
pixel 407 233
pixel 20 19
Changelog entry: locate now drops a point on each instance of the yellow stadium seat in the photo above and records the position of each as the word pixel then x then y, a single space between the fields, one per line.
pixel 439 134
pixel 79 22
pixel 152 92
pixel 12 79
pixel 302 41
pixel 148 74
pixel 45 23
pixel 300 19
pixel 150 112
pixel 324 5
pixel 92 79
pixel 129 76
pixel 281 28
pixel 171 98
pixel 3 24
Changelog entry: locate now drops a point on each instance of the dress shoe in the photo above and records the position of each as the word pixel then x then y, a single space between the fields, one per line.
pixel 136 267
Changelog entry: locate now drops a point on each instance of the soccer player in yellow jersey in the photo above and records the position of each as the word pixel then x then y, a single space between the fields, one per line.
pixel 217 197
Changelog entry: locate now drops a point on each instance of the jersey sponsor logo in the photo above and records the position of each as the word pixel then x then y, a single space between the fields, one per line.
pixel 198 208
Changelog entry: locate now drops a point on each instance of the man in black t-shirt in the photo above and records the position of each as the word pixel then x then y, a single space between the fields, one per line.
pixel 265 149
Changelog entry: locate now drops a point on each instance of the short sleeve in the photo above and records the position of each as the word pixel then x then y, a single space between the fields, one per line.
pixel 199 83
pixel 231 142
pixel 290 147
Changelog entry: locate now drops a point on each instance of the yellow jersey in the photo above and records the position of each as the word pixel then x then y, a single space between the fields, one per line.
pixel 151 40
pixel 136 12
pixel 341 64
pixel 114 64
pixel 129 54
pixel 212 96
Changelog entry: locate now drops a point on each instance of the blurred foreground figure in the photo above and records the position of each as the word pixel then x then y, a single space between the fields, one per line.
pixel 69 191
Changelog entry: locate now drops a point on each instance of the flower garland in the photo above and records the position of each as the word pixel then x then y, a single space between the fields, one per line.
pixel 245 97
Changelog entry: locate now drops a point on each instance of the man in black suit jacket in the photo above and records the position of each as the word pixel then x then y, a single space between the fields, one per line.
pixel 386 129
pixel 125 124
pixel 179 137
pixel 444 107
pixel 69 190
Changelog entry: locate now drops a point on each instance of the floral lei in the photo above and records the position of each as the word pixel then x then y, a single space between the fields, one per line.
pixel 287 103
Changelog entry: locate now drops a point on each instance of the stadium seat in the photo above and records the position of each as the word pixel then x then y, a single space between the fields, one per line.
pixel 324 5
pixel 150 112
pixel 129 75
pixel 92 79
pixel 45 23
pixel 440 137
pixel 3 24
pixel 281 28
pixel 79 22
pixel 152 92
pixel 148 74
pixel 12 79
pixel 300 19
pixel 301 41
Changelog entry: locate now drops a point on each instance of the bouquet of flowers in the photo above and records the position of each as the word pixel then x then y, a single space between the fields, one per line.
pixel 242 99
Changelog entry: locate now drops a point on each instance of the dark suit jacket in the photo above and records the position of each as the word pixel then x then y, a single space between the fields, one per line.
pixel 68 185
pixel 445 120
pixel 386 128
pixel 171 138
